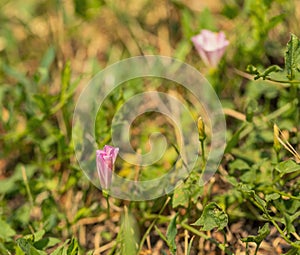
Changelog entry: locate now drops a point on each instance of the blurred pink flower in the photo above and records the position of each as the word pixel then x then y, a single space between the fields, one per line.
pixel 105 160
pixel 210 46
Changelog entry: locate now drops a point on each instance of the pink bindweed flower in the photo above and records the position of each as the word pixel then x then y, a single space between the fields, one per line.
pixel 210 46
pixel 105 160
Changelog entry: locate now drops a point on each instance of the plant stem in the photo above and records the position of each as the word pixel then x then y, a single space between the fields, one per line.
pixel 27 186
pixel 282 81
pixel 225 238
pixel 203 152
pixel 206 237
pixel 106 195
pixel 265 211
pixel 256 249
pixel 247 249
pixel 108 207
pixel 152 225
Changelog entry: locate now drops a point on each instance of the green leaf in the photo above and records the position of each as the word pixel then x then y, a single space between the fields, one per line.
pixel 45 64
pixel 3 249
pixel 38 235
pixel 234 139
pixel 6 232
pixel 238 164
pixel 274 21
pixel 48 58
pixel 171 234
pixel 251 109
pixel 61 250
pixel 65 79
pixel 272 196
pixel 73 248
pixel 180 197
pixel 28 248
pixel 289 224
pixel 287 167
pixel 46 243
pixel 292 57
pixel 212 217
pixel 260 201
pixel 129 241
pixel 293 251
pixel 262 234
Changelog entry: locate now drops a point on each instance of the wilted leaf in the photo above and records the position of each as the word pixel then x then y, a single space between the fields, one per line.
pixel 212 217
pixel 180 197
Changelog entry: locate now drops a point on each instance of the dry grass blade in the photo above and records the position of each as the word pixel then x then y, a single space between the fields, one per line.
pixel 285 143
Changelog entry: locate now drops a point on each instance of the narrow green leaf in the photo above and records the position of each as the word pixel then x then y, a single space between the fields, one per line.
pixel 48 58
pixel 251 109
pixel 292 57
pixel 65 79
pixel 61 250
pixel 171 234
pixel 73 248
pixel 234 139
pixel 190 245
pixel 129 241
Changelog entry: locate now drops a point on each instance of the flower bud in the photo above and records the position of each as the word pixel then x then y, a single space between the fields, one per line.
pixel 201 129
pixel 105 160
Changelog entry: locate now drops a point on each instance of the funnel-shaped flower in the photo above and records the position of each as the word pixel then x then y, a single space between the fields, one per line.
pixel 210 46
pixel 105 160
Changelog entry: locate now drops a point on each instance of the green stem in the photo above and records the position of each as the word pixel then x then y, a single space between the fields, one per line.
pixel 152 225
pixel 247 249
pixel 106 195
pixel 206 237
pixel 27 187
pixel 282 81
pixel 203 152
pixel 277 157
pixel 225 238
pixel 265 211
pixel 108 207
pixel 257 247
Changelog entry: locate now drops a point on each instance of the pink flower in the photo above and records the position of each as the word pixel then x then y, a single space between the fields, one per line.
pixel 210 46
pixel 105 160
